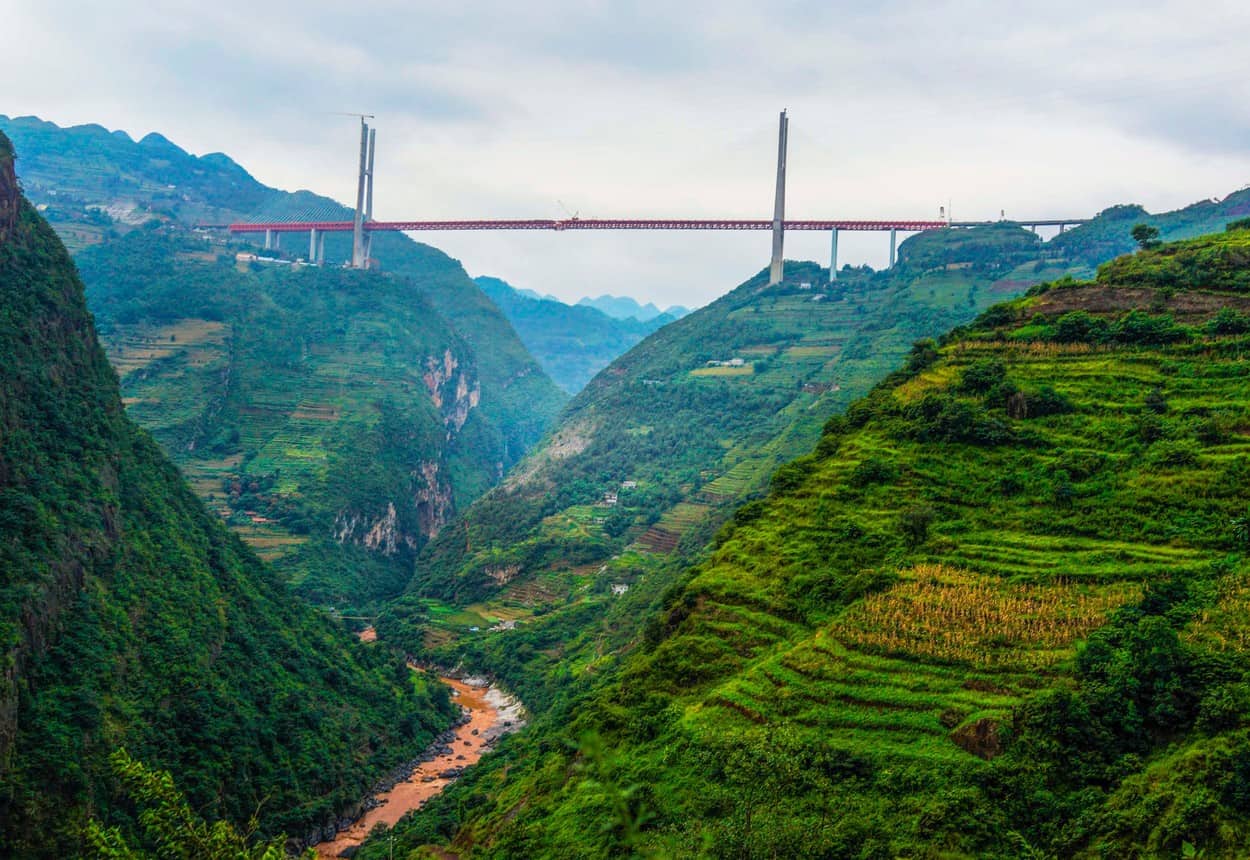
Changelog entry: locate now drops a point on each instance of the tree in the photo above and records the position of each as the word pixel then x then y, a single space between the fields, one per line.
pixel 914 524
pixel 170 825
pixel 1146 237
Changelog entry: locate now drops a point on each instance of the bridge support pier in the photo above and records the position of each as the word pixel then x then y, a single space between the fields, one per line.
pixel 268 240
pixel 312 245
pixel 321 250
pixel 833 257
pixel 776 268
pixel 893 246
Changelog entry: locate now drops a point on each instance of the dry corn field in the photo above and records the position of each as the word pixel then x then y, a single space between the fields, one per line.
pixel 949 614
pixel 1225 627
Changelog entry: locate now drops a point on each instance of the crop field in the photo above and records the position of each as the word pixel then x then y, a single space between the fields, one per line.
pixel 270 541
pixel 196 342
pixel 683 516
pixel 952 615
pixel 746 370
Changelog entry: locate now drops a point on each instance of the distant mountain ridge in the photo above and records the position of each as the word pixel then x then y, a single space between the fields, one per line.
pixel 68 171
pixel 625 307
pixel 572 342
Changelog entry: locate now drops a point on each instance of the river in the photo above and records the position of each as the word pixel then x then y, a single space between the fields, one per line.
pixel 492 714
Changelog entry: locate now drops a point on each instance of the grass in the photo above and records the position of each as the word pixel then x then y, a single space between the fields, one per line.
pixel 745 370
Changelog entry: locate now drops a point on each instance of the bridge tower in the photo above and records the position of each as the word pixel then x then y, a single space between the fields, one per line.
pixel 360 258
pixel 373 135
pixel 777 267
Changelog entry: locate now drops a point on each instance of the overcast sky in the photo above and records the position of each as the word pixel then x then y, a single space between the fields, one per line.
pixel 541 109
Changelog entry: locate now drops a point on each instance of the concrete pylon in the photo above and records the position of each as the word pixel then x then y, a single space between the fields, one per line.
pixel 776 268
pixel 373 135
pixel 833 257
pixel 268 239
pixel 893 247
pixel 312 245
pixel 358 243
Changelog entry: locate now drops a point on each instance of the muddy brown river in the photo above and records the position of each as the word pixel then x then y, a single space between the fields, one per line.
pixel 491 713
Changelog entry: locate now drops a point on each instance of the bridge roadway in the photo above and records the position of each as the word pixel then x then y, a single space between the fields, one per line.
pixel 318 229
pixel 598 224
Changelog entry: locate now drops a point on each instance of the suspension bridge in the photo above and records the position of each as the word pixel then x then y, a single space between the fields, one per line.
pixel 362 226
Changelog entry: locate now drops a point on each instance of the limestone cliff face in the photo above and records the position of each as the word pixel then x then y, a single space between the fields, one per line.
pixel 379 534
pixel 407 522
pixel 432 499
pixel 431 502
pixel 455 391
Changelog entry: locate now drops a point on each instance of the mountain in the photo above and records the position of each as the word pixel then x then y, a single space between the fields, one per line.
pixel 130 618
pixel 336 419
pixel 89 182
pixel 571 342
pixel 591 528
pixel 998 611
pixel 624 307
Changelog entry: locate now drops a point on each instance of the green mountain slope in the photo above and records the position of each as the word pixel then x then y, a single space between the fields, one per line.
pixel 336 419
pixel 130 618
pixel 90 182
pixel 572 342
pixel 653 455
pixel 998 612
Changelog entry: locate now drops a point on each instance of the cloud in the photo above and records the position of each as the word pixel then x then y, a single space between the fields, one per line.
pixel 498 109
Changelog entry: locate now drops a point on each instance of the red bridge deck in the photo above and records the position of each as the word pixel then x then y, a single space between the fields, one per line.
pixel 584 224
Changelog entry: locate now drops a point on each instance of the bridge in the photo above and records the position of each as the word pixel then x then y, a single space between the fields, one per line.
pixel 363 226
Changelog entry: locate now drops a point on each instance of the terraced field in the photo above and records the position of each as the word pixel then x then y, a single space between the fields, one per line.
pixel 333 418
pixel 1023 548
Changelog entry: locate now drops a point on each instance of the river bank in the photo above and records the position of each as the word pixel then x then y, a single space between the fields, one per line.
pixel 488 714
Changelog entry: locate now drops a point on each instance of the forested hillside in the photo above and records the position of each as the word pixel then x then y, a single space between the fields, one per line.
pixel 571 342
pixel 999 611
pixel 130 618
pixel 336 419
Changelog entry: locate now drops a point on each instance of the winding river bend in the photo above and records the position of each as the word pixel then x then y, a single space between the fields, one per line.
pixel 491 714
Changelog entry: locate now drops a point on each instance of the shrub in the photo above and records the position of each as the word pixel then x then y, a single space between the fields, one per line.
pixel 1080 327
pixel 1138 327
pixel 1175 453
pixel 942 418
pixel 873 470
pixel 1229 321
pixel 1156 402
pixel 791 476
pixel 923 353
pixel 914 524
pixel 983 375
pixel 996 316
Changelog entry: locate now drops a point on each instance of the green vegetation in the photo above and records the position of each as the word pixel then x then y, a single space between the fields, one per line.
pixel 999 611
pixel 571 342
pixel 679 431
pixel 333 417
pixel 93 183
pixel 129 618
pixel 171 828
